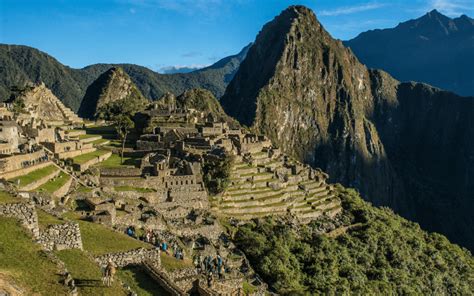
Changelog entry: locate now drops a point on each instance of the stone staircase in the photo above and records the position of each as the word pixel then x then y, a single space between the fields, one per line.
pixel 68 114
pixel 259 189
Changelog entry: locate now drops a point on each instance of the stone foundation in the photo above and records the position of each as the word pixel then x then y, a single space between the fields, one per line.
pixel 61 237
pixel 25 212
pixel 136 256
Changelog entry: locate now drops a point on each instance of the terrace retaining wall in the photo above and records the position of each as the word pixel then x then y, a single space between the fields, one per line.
pixel 61 237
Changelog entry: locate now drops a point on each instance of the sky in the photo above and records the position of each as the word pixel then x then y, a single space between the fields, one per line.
pixel 192 33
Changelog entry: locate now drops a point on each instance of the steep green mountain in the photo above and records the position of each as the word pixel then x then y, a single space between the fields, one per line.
pixel 433 48
pixel 403 145
pixel 22 64
pixel 112 90
pixel 372 252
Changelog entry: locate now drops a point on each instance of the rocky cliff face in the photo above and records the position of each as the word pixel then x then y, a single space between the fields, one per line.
pixel 112 87
pixel 313 98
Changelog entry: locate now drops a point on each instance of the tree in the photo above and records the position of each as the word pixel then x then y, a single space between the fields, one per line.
pixel 123 126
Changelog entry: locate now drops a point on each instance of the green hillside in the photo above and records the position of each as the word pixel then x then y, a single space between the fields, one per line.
pixel 375 253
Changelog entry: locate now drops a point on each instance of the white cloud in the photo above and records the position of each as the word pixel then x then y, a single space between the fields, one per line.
pixel 180 68
pixel 452 7
pixel 351 9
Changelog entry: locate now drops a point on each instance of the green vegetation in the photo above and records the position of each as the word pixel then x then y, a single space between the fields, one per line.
pixel 107 132
pixel 87 136
pixel 100 142
pixel 87 274
pixel 123 125
pixel 22 260
pixel 217 173
pixel 115 161
pixel 98 239
pixel 6 197
pixel 384 254
pixel 53 185
pixel 88 156
pixel 248 288
pixel 137 189
pixel 45 219
pixel 34 175
pixel 140 281
pixel 29 64
pixel 170 263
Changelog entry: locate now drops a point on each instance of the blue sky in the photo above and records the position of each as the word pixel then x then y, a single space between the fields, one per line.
pixel 160 33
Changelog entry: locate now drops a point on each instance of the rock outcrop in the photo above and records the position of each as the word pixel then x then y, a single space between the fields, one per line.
pixel 312 97
pixel 112 87
pixel 39 102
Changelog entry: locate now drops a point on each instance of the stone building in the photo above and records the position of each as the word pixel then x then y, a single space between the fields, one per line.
pixel 9 137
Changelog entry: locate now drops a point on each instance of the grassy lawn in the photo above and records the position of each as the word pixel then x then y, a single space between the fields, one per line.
pixel 23 261
pixel 87 274
pixel 52 185
pixel 136 189
pixel 99 142
pixel 115 161
pixel 86 136
pixel 35 175
pixel 140 281
pixel 88 156
pixel 5 197
pixel 98 239
pixel 45 219
pixel 170 263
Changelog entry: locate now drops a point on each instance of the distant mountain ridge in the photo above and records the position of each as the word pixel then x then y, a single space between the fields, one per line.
pixel 434 49
pixel 21 64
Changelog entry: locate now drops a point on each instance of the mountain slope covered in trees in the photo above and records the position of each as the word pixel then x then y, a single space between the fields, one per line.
pixel 22 64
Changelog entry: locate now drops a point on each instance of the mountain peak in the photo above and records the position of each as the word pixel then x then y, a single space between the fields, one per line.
pixel 112 86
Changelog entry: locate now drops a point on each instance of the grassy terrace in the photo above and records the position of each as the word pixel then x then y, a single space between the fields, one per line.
pixel 87 136
pixel 253 192
pixel 35 175
pixel 100 142
pixel 98 239
pixel 115 161
pixel 256 174
pixel 32 270
pixel 6 197
pixel 87 274
pixel 137 189
pixel 140 281
pixel 243 201
pixel 52 185
pixel 45 219
pixel 88 156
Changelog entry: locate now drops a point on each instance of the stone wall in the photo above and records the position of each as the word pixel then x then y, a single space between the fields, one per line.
pixel 14 165
pixel 149 182
pixel 120 172
pixel 61 237
pixel 136 256
pixel 25 212
pixel 70 154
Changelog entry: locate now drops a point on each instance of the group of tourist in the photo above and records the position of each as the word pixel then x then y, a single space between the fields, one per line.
pixel 210 266
pixel 152 238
